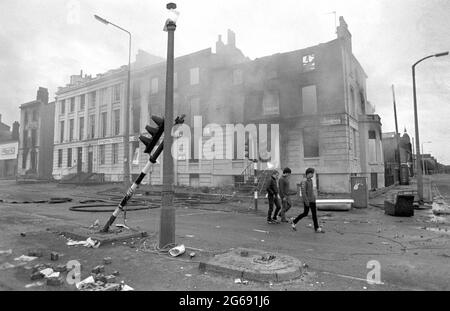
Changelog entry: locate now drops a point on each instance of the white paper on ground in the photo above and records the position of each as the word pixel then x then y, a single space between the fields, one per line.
pixel 25 258
pixel 127 288
pixel 88 280
pixel 47 272
pixel 7 252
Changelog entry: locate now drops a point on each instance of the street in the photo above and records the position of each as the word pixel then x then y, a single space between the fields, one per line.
pixel 411 256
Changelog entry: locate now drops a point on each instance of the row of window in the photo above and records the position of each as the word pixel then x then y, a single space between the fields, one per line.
pixel 92 99
pixel 34 116
pixel 101 155
pixel 91 126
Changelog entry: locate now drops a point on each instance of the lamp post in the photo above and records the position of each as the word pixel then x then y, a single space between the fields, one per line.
pixel 126 141
pixel 167 218
pixel 423 160
pixel 416 124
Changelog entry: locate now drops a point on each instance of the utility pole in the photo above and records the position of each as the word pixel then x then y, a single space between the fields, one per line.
pixel 398 158
pixel 167 218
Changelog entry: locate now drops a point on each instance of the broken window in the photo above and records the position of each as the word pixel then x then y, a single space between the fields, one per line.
pixel 308 62
pixel 62 107
pixel 61 133
pixel 116 93
pixel 115 153
pixel 72 104
pixel 82 102
pixel 309 100
pixel 71 127
pixel 69 157
pixel 310 142
pixel 60 157
pixel 101 155
pixel 271 103
pixel 81 129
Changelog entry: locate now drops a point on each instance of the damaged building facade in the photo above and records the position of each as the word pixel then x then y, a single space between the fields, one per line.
pixel 35 159
pixel 316 96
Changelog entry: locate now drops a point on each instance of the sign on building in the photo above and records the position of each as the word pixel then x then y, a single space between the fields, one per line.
pixel 9 151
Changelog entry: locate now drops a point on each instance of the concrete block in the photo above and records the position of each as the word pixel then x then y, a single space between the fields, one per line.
pixel 54 256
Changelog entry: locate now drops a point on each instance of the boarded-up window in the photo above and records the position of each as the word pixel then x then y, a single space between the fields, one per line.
pixel 372 147
pixel 309 100
pixel 310 142
pixel 271 103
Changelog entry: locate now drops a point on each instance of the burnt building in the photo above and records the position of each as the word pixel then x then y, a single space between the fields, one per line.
pixel 35 159
pixel 313 102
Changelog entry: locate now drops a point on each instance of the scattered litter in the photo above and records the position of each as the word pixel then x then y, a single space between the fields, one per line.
pixel 192 255
pixel 245 282
pixel 88 243
pixel 262 231
pixel 8 252
pixel 98 269
pixel 305 265
pixel 217 227
pixel 262 240
pixel 237 281
pixel 35 253
pixel 126 288
pixel 177 251
pixel 54 275
pixel 116 273
pixel 364 287
pixel 244 253
pixel 25 258
pixel 270 284
pixel 107 260
pixel 95 224
pixel 188 275
pixel 47 272
pixel 309 225
pixel 123 226
pixel 6 266
pixel 189 236
pixel 55 281
pixel 35 284
pixel 22 234
pixel 181 268
pixel 385 243
pixel 89 280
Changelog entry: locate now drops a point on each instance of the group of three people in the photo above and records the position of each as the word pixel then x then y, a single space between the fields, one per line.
pixel 280 190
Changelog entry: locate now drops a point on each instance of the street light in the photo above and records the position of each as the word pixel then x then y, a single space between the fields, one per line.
pixel 126 141
pixel 167 217
pixel 416 123
pixel 423 160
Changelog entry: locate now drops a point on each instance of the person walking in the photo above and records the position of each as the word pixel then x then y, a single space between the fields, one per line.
pixel 284 193
pixel 309 202
pixel 273 196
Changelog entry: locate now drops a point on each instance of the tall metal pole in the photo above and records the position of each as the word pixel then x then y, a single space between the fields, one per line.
pixel 418 155
pixel 167 218
pixel 126 141
pixel 396 134
pixel 416 124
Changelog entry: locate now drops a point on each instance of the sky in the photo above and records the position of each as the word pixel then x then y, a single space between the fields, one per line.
pixel 43 42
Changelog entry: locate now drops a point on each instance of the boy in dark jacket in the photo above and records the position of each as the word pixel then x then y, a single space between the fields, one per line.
pixel 309 201
pixel 284 193
pixel 272 196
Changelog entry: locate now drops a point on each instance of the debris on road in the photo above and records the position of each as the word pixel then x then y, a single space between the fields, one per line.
pixel 237 281
pixel 88 243
pixel 177 251
pixel 22 234
pixel 88 280
pixel 35 284
pixel 190 236
pixel 98 269
pixel 6 266
pixel 35 253
pixel 262 231
pixel 107 260
pixel 7 252
pixel 25 258
pixel 192 255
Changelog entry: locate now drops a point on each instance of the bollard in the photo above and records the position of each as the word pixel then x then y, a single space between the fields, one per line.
pixel 256 200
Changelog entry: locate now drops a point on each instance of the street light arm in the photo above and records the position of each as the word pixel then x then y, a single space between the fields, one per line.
pixel 422 60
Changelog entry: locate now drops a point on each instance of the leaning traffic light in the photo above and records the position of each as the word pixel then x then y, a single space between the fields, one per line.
pixel 155 134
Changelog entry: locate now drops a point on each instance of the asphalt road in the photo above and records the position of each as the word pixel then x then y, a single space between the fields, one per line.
pixel 413 253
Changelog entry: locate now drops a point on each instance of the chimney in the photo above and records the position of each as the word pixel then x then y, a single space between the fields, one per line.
pixel 219 44
pixel 344 34
pixel 42 95
pixel 231 40
pixel 15 131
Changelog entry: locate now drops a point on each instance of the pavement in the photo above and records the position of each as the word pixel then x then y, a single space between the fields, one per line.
pixel 411 253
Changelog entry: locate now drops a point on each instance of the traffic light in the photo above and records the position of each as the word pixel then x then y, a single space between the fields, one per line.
pixel 155 134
